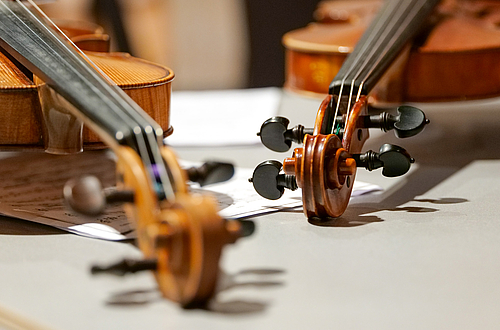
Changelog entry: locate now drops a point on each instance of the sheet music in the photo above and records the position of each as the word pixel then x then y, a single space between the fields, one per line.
pixel 31 189
pixel 238 199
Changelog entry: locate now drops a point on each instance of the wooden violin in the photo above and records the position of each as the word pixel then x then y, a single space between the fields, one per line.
pixel 180 234
pixel 454 55
pixel 148 84
pixel 325 167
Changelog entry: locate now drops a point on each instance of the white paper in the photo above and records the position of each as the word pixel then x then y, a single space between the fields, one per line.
pixel 238 199
pixel 221 118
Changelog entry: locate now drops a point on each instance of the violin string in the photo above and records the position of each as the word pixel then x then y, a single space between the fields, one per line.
pixel 401 29
pixel 371 48
pixel 374 49
pixel 21 4
pixel 68 39
pixel 414 9
pixel 158 170
pixel 386 11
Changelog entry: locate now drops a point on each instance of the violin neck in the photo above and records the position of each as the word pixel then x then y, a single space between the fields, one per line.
pixel 396 23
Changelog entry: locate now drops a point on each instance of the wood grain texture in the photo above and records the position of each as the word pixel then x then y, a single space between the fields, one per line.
pixel 148 84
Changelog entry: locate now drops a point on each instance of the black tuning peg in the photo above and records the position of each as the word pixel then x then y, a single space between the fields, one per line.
pixel 275 135
pixel 247 227
pixel 408 122
pixel 86 196
pixel 269 183
pixel 210 173
pixel 126 266
pixel 395 160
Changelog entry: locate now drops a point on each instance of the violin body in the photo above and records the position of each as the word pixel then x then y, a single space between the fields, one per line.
pixel 148 84
pixel 459 34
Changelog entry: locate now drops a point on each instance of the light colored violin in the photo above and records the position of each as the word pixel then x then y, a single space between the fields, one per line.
pixel 148 84
pixel 180 233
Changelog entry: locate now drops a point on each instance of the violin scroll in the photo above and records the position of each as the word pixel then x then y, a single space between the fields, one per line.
pixel 182 236
pixel 179 233
pixel 325 167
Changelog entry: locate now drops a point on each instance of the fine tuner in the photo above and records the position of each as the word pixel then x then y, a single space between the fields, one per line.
pixel 408 121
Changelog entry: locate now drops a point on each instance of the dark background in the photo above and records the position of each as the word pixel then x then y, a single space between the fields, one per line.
pixel 268 20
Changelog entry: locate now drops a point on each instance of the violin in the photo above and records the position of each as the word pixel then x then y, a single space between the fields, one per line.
pixel 148 84
pixel 180 234
pixel 325 167
pixel 458 34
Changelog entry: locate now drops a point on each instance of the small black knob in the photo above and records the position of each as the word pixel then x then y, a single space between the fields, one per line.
pixel 247 227
pixel 126 266
pixel 395 160
pixel 210 173
pixel 408 122
pixel 86 196
pixel 269 183
pixel 275 135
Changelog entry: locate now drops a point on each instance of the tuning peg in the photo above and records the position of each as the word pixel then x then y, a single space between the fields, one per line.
pixel 210 173
pixel 124 267
pixel 247 227
pixel 86 196
pixel 408 122
pixel 275 135
pixel 269 183
pixel 395 160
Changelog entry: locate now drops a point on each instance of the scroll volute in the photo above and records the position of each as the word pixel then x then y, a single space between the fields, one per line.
pixel 324 168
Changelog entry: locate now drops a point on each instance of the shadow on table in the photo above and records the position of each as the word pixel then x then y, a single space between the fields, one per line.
pixel 257 279
pixel 451 142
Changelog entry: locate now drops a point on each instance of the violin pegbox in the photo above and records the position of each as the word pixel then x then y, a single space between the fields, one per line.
pixel 181 238
pixel 325 167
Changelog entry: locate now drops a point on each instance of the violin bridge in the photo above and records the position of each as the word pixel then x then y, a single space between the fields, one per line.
pixel 62 131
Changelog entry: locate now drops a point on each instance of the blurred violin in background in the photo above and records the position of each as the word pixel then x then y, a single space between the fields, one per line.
pixel 454 55
pixel 50 88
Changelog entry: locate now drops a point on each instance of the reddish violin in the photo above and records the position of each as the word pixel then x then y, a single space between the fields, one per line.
pixel 454 56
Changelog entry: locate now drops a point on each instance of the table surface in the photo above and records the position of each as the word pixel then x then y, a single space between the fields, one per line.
pixel 422 254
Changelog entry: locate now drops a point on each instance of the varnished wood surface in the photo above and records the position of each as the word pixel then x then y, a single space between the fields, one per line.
pixel 457 60
pixel 148 84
